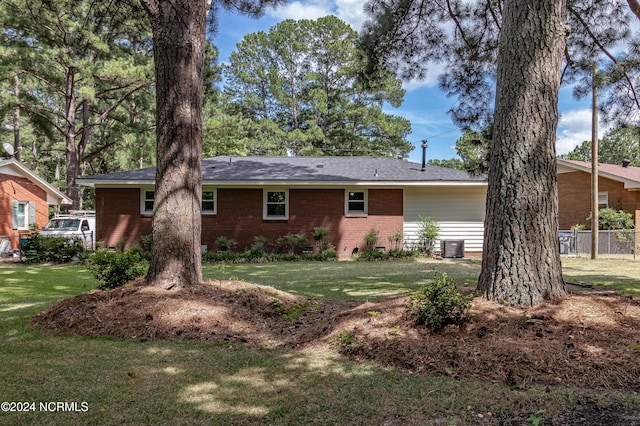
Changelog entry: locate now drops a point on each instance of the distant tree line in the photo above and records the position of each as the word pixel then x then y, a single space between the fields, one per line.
pixel 77 93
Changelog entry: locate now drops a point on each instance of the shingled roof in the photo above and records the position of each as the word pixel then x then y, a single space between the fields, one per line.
pixel 12 166
pixel 302 170
pixel 629 175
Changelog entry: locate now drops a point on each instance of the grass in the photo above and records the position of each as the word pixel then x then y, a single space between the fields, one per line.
pixel 127 382
pixel 377 280
pixel 347 280
pixel 613 273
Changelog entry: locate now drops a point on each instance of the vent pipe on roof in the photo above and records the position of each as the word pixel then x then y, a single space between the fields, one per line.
pixel 424 155
pixel 626 162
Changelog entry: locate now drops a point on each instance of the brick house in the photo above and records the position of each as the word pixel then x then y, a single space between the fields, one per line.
pixel 244 197
pixel 618 188
pixel 24 201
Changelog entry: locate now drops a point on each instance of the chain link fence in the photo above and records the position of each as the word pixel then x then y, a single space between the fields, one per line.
pixel 623 242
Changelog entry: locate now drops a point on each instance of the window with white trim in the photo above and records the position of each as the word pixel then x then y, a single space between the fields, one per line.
pixel 148 197
pixel 208 201
pixel 603 200
pixel 276 204
pixel 23 214
pixel 356 202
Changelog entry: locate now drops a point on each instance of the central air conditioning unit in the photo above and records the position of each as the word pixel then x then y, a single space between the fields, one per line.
pixel 452 249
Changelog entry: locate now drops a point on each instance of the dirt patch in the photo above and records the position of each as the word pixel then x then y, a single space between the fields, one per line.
pixel 589 339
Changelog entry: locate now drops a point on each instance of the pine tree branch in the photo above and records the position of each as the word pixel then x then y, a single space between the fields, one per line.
pixel 634 5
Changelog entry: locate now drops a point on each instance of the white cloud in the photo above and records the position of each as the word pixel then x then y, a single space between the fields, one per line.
pixel 349 11
pixel 574 128
pixel 302 10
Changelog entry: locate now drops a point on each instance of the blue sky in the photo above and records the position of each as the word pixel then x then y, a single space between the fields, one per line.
pixel 425 106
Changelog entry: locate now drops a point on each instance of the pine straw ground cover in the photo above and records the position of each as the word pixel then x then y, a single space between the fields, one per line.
pixel 588 340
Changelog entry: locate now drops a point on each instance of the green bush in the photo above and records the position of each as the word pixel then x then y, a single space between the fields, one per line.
pixel 224 256
pixel 146 242
pixel 225 244
pixel 328 253
pixel 371 255
pixel 321 237
pixel 428 233
pixel 291 243
pixel 144 255
pixel 250 256
pixel 115 269
pixel 609 219
pixel 258 249
pixel 400 254
pixel 38 249
pixel 396 240
pixel 383 255
pixel 371 239
pixel 439 304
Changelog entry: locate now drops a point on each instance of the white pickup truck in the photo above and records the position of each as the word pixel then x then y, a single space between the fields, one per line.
pixel 77 224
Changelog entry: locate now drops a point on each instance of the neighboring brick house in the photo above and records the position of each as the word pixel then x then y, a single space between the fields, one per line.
pixel 244 197
pixel 24 201
pixel 618 188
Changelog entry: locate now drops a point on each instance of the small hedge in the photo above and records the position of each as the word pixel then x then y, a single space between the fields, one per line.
pixel 384 255
pixel 39 249
pixel 259 255
pixel 115 269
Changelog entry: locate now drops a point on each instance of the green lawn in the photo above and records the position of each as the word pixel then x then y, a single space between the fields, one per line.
pixel 347 280
pixel 129 382
pixel 613 273
pixel 376 280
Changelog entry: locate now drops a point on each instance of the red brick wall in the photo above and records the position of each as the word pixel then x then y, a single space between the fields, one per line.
pixel 574 197
pixel 118 216
pixel 15 188
pixel 239 216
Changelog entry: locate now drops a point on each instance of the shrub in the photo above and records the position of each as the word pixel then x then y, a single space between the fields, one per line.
pixel 144 255
pixel 372 255
pixel 609 219
pixel 38 249
pixel 371 239
pixel 291 243
pixel 146 241
pixel 400 254
pixel 286 243
pixel 396 239
pixel 320 236
pixel 258 249
pixel 328 253
pixel 428 233
pixel 115 269
pixel 439 304
pixel 225 244
pixel 225 256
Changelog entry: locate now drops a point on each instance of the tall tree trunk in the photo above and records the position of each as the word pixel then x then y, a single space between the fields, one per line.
pixel 521 259
pixel 179 45
pixel 17 145
pixel 72 160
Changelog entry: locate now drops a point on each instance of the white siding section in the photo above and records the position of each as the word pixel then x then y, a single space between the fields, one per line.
pixel 459 211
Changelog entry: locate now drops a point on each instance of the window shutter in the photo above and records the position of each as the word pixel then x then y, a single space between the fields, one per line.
pixel 14 215
pixel 32 213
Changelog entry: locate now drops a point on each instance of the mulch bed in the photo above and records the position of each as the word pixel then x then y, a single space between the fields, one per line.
pixel 589 339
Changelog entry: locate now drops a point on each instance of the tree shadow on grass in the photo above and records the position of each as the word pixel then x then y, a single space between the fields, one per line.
pixel 255 354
